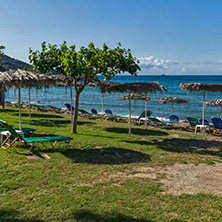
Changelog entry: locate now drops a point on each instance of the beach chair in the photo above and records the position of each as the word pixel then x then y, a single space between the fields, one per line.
pixel 43 107
pixel 217 123
pixel 113 117
pixel 140 118
pixel 193 121
pixel 82 111
pixel 3 132
pixel 30 130
pixel 108 111
pixel 206 122
pixel 31 140
pixel 174 118
pixel 157 122
pixel 55 108
pixel 68 106
pixel 94 111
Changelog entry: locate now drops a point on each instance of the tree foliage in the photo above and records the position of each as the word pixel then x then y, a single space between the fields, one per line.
pixel 83 65
pixel 1 51
pixel 7 63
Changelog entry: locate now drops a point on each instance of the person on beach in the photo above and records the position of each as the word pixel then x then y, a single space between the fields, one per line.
pixel 2 97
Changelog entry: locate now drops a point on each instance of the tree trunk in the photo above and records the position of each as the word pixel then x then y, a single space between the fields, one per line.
pixel 129 112
pixel 71 113
pixel 29 103
pixel 75 116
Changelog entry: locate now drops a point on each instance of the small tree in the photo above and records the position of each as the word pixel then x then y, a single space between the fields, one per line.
pixel 1 51
pixel 83 65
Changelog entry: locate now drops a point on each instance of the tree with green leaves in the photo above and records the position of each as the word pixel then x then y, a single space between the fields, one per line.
pixel 1 51
pixel 83 65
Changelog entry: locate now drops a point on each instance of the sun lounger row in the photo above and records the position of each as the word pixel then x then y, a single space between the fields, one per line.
pixel 215 127
pixel 15 133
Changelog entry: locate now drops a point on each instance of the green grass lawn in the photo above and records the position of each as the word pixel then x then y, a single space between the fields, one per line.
pixel 89 181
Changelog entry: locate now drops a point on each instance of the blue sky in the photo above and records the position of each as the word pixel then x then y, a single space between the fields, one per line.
pixel 168 36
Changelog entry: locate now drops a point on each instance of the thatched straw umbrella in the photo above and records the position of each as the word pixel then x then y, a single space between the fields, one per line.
pixel 136 87
pixel 65 81
pixel 100 84
pixel 195 87
pixel 216 102
pixel 26 79
pixel 136 97
pixel 18 79
pixel 172 100
pixel 43 80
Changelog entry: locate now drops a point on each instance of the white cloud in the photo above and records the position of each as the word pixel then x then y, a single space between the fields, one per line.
pixel 151 65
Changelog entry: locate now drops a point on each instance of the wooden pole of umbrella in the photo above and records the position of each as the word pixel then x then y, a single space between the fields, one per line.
pixel 29 103
pixel 221 112
pixel 65 94
pixel 129 113
pixel 102 103
pixel 203 114
pixel 146 110
pixel 37 100
pixel 20 112
pixel 172 100
pixel 134 108
pixel 14 94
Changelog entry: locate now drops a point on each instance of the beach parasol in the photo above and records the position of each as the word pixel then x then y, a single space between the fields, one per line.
pixel 136 97
pixel 18 79
pixel 195 87
pixel 26 79
pixel 66 81
pixel 135 87
pixel 216 102
pixel 98 83
pixel 172 100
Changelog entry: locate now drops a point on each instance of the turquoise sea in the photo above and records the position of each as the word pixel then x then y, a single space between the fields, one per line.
pixel 92 98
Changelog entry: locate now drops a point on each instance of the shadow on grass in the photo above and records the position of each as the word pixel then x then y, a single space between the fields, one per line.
pixel 136 131
pixel 87 215
pixel 198 146
pixel 85 123
pixel 105 156
pixel 41 115
pixel 54 122
pixel 15 216
pixel 143 143
pixel 6 110
pixel 47 122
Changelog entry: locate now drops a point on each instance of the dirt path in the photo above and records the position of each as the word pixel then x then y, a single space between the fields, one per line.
pixel 184 178
pixel 192 179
